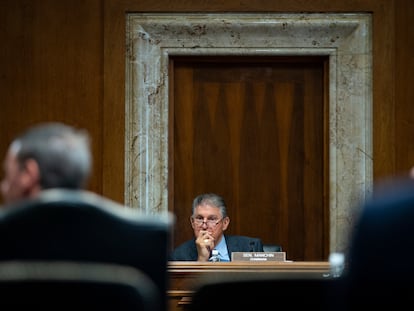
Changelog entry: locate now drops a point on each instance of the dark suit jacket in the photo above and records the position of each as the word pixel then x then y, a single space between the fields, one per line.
pixel 235 243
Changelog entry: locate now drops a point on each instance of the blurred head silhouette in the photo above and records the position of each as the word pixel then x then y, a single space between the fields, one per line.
pixel 48 155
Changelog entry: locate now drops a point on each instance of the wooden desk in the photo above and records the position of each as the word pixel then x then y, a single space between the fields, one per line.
pixel 186 276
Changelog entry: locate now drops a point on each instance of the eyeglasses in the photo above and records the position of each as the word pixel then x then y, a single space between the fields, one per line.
pixel 209 222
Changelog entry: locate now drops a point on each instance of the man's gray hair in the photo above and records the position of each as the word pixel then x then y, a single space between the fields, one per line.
pixel 61 151
pixel 211 199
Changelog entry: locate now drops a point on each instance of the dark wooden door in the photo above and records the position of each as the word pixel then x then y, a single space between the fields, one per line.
pixel 253 130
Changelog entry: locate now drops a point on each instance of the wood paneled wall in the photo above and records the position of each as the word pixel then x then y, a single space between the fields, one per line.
pixel 51 69
pixel 65 61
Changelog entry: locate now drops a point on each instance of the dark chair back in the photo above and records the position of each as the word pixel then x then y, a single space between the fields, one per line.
pixel 255 294
pixel 75 286
pixel 81 226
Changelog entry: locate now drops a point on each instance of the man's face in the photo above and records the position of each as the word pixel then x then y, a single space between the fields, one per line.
pixel 12 185
pixel 208 218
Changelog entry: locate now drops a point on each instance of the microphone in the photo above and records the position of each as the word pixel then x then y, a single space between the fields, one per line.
pixel 251 246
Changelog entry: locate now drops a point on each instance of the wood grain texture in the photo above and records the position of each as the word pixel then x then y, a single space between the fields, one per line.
pixel 252 130
pixel 65 60
pixel 51 69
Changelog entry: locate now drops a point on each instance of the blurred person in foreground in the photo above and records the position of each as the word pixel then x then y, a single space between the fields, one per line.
pixel 379 271
pixel 209 220
pixel 48 214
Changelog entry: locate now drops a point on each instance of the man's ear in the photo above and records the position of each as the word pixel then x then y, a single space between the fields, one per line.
pixel 226 221
pixel 31 176
pixel 191 221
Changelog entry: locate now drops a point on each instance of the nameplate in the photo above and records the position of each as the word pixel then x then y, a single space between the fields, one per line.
pixel 258 256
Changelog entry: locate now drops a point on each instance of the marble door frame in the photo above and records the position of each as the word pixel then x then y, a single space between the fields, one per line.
pixel 152 38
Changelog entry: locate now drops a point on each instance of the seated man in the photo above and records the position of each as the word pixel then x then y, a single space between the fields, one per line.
pixel 209 220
